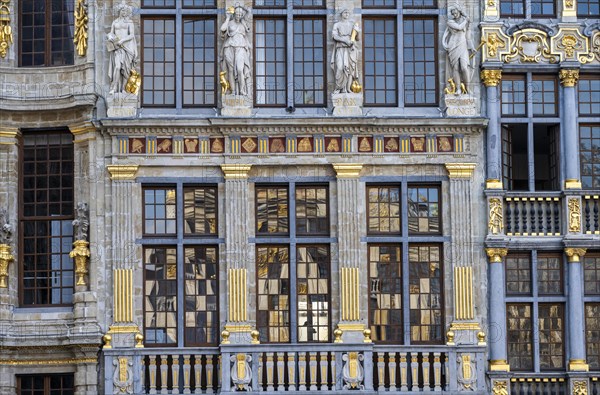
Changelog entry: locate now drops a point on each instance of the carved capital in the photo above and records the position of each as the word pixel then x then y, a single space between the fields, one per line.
pixel 347 170
pixel 496 255
pixel 460 170
pixel 235 171
pixel 5 259
pixel 575 254
pixel 568 77
pixel 491 77
pixel 122 172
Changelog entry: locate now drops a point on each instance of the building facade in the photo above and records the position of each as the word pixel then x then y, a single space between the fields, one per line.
pixel 274 196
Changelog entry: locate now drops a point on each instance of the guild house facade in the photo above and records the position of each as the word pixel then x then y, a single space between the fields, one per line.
pixel 368 196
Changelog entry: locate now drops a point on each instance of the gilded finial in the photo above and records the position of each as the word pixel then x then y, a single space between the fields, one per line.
pixel 225 337
pixel 139 340
pixel 107 339
pixel 255 337
pixel 450 337
pixel 367 336
pixel 337 335
pixel 481 338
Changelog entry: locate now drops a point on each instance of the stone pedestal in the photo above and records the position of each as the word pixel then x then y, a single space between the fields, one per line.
pixel 236 106
pixel 347 104
pixel 121 105
pixel 461 105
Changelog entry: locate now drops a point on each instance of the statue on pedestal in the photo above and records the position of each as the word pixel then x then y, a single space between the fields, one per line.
pixel 235 57
pixel 458 43
pixel 344 60
pixel 122 46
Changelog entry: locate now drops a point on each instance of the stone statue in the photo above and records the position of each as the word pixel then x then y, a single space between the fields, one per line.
pixel 235 56
pixel 122 47
pixel 458 43
pixel 6 230
pixel 344 59
pixel 81 223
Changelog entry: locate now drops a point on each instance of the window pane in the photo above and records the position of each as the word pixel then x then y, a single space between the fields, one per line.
pixel 385 293
pixel 160 209
pixel 201 296
pixel 591 273
pixel 40 384
pixel 419 3
pixel 158 62
pixel 158 3
pixel 420 71
pixel 199 62
pixel 160 295
pixel 313 293
pixel 424 210
pixel 312 211
pixel 512 8
pixel 592 335
pixel 550 275
pixel 589 156
pixel 270 3
pixel 309 62
pixel 200 211
pixel 425 279
pixel 199 3
pixel 588 8
pixel 62 46
pixel 520 336
pixel 379 3
pixel 273 292
pixel 513 96
pixel 589 95
pixel 272 210
pixel 518 275
pixel 551 323
pixel 543 96
pixel 270 62
pixel 383 209
pixel 309 3
pixel 542 8
pixel 380 84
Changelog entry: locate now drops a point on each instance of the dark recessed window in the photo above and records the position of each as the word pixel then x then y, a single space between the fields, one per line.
pixel 312 210
pixel 48 384
pixel 46 33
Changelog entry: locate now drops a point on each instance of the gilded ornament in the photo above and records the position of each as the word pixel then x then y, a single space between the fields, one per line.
pixel 123 376
pixel 364 145
pixel 496 254
pixel 574 215
pixel 241 371
pixel 367 336
pixel 466 378
pixel 255 336
pixel 575 254
pixel 580 387
pixel 352 371
pixel 568 77
pixel 225 86
pixel 80 37
pixel 496 221
pixel 569 44
pixel 139 340
pixel 337 335
pixel 500 388
pixel 569 3
pixel 6 257
pixel 6 37
pixel 450 338
pixel 530 46
pixel 491 77
pixel 225 337
pixel 451 88
pixel 134 82
pixel 492 43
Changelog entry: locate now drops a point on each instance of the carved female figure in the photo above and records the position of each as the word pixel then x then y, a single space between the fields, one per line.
pixel 344 59
pixel 122 47
pixel 458 43
pixel 235 59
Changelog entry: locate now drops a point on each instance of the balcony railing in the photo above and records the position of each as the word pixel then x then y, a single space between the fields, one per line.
pixel 539 385
pixel 591 214
pixel 533 215
pixel 342 367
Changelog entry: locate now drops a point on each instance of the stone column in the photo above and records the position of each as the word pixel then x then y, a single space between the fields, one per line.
pixel 491 79
pixel 576 319
pixel 464 326
pixel 237 252
pixel 568 79
pixel 124 331
pixel 497 309
pixel 349 222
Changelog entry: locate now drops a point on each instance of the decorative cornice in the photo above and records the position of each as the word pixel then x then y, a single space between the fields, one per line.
pixel 460 170
pixel 35 362
pixel 235 171
pixel 568 77
pixel 574 254
pixel 347 170
pixel 493 184
pixel 122 172
pixel 572 183
pixel 499 365
pixel 496 255
pixel 491 77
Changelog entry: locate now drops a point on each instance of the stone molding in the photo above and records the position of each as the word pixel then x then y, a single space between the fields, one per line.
pixel 122 172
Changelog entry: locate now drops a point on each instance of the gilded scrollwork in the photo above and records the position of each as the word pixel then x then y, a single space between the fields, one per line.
pixel 500 387
pixel 570 44
pixel 574 215
pixel 496 43
pixel 530 46
pixel 580 387
pixel 6 37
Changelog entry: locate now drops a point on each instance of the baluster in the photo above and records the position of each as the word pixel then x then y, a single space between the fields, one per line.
pixel 549 215
pixel 186 374
pixel 530 203
pixel 164 373
pixel 403 372
pixel 596 216
pixel 261 382
pixel 209 369
pixel 333 372
pixel 152 373
pixel 280 357
pixel 414 368
pixel 324 364
pixel 270 386
pixel 437 371
pixel 508 216
pixel 516 213
pixel 291 367
pixel 540 215
pixel 392 370
pixel 586 213
pixel 426 378
pixel 302 371
pixel 557 229
pixel 313 370
pixel 143 373
pixel 380 371
pixel 175 374
pixel 197 374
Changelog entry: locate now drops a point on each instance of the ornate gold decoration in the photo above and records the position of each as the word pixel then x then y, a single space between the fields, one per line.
pixel 355 87
pixel 496 219
pixel 235 171
pixel 491 11
pixel 460 170
pixel 463 293
pixel 350 293
pixel 580 387
pixel 450 338
pixel 570 44
pixel 451 88
pixel 41 362
pixel 5 259
pixel 500 387
pixel 465 326
pixel 347 170
pixel 225 337
pixel 237 280
pixel 139 340
pixel 493 184
pixel 80 254
pixel 122 172
pixel 569 78
pixel 572 183
pixel 499 365
pixel 491 77
pixel 530 46
pixel 574 215
pixel 575 254
pixel 367 336
pixel 595 52
pixel 134 82
pixel 225 86
pixel 80 37
pixel 481 338
pixel 569 9
pixel 493 43
pixel 496 255
pixel 123 295
pixel 107 339
pixel 351 327
pixel 578 365
pixel 337 335
pixel 255 336
pixel 6 37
